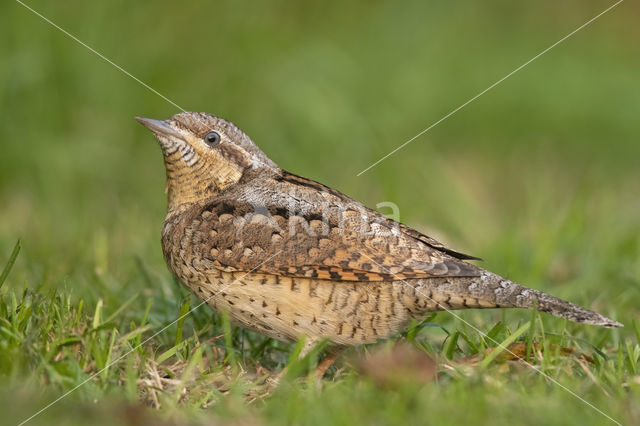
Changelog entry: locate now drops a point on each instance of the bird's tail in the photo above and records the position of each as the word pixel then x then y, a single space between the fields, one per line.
pixel 492 291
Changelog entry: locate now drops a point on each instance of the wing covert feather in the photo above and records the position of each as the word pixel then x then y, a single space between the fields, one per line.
pixel 352 244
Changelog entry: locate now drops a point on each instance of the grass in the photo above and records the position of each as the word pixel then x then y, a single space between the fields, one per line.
pixel 539 177
pixel 215 370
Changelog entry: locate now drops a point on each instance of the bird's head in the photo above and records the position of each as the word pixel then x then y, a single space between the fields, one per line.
pixel 203 155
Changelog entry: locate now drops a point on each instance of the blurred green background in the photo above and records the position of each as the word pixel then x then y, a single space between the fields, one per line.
pixel 540 176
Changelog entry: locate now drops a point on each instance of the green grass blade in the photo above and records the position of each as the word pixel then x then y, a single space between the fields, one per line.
pixel 173 351
pixel 184 312
pixel 134 333
pixel 96 315
pixel 636 328
pixel 195 361
pixel 505 343
pixel 451 345
pixel 122 307
pixel 9 265
pixel 228 339
pixel 532 330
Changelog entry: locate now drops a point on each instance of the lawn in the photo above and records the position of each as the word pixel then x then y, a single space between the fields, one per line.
pixel 538 176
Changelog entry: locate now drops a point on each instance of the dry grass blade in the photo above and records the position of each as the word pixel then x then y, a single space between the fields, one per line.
pixel 518 351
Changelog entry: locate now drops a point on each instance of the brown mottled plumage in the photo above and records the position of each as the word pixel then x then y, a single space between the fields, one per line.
pixel 287 256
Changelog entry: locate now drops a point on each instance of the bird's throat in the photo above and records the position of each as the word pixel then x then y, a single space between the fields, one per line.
pixel 187 185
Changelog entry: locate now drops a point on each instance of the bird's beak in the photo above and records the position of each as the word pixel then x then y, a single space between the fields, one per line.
pixel 158 127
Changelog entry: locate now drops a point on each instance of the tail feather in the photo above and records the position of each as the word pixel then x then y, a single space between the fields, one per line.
pixel 491 290
pixel 510 294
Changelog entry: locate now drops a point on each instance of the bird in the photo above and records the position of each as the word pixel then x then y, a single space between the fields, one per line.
pixel 291 258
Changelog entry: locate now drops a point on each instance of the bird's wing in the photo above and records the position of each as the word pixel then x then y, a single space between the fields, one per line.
pixel 433 243
pixel 345 243
pixel 343 199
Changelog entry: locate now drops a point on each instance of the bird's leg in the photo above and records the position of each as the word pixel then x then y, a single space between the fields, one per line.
pixel 328 361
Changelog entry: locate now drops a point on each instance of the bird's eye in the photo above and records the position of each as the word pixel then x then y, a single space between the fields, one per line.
pixel 212 138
